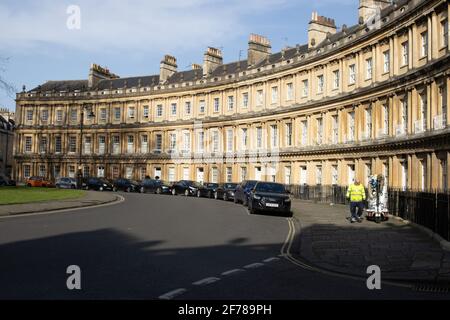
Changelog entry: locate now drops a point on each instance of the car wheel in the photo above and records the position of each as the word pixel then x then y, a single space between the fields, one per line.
pixel 174 192
pixel 209 194
pixel 199 194
pixel 72 187
pixel 142 190
pixel 225 197
pixel 158 191
pixel 186 192
pixel 100 189
pixel 235 199
pixel 216 195
pixel 114 189
pixel 128 189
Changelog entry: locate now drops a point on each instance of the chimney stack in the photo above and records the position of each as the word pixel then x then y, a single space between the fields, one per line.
pixel 319 28
pixel 211 60
pixel 368 9
pixel 259 48
pixel 97 73
pixel 167 68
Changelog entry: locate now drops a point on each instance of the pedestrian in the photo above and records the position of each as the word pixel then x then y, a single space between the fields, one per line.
pixel 356 194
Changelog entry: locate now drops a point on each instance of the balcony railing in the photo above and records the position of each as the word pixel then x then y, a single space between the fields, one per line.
pixel 440 121
pixel 419 126
pixel 382 132
pixel 400 130
pixel 366 135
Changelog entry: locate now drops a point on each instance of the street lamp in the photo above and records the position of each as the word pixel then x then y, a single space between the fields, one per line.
pixel 87 108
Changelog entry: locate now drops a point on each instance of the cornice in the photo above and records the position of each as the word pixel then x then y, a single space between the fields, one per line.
pixel 387 88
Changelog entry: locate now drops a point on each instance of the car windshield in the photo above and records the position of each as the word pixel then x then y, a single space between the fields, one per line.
pixel 211 185
pixel 251 184
pixel 103 180
pixel 270 187
pixel 230 186
pixel 196 184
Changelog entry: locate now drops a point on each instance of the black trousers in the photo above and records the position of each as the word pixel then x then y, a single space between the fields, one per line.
pixel 354 206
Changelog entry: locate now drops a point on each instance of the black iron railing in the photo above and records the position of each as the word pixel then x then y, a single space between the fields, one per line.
pixel 429 209
pixel 320 193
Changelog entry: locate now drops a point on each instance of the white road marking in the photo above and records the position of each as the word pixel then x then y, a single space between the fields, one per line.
pixel 229 272
pixel 254 265
pixel 271 259
pixel 172 294
pixel 206 281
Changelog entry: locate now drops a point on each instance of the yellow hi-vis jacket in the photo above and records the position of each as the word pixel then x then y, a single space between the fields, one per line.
pixel 356 193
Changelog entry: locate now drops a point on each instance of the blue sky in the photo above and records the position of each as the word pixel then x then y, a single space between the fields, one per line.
pixel 130 37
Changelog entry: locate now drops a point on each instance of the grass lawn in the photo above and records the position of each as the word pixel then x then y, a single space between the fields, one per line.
pixel 17 195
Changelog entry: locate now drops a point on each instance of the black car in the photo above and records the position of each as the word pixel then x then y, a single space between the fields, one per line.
pixel 99 184
pixel 269 196
pixel 6 182
pixel 226 191
pixel 209 189
pixel 155 186
pixel 126 185
pixel 188 188
pixel 242 192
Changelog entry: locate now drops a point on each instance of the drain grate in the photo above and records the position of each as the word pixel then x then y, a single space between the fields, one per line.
pixel 432 288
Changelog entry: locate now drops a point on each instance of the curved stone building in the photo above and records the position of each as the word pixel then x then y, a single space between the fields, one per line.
pixel 354 101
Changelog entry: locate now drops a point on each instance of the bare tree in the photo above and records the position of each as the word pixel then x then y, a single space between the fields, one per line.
pixel 4 84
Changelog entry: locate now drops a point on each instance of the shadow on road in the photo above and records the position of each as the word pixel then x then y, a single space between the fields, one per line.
pixel 113 265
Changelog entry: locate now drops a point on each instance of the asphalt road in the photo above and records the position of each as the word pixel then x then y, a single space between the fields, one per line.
pixel 164 247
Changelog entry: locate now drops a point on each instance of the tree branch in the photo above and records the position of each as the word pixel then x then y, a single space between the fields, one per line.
pixel 4 84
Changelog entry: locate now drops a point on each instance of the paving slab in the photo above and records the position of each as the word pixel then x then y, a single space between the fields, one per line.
pixel 403 252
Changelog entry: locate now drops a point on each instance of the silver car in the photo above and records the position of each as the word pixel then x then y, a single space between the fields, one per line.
pixel 66 183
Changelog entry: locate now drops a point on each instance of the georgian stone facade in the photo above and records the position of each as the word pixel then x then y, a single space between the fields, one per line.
pixel 367 99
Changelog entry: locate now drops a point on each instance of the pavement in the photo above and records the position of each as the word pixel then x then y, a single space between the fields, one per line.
pixel 91 198
pixel 329 241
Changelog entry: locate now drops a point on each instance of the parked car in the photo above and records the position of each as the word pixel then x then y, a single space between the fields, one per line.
pixel 5 181
pixel 126 185
pixel 39 182
pixel 155 186
pixel 99 184
pixel 242 192
pixel 188 188
pixel 66 183
pixel 226 191
pixel 209 189
pixel 269 196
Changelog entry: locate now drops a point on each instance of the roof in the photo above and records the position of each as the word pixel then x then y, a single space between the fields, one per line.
pixel 197 74
pixel 65 85
pixel 5 124
pixel 144 81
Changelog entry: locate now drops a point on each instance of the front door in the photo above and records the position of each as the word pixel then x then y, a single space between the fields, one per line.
pixel 200 175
